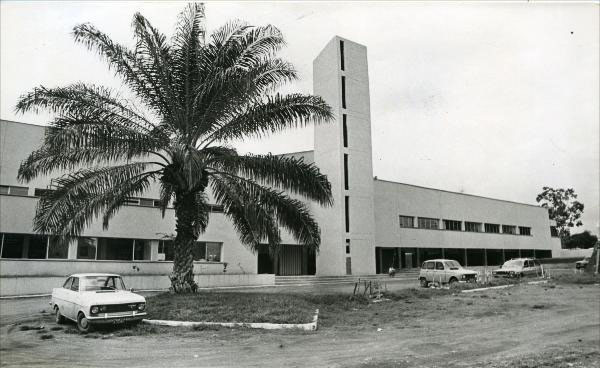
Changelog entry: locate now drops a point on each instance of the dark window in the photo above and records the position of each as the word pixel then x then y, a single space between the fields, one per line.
pixel 38 192
pixel 141 250
pixel 430 265
pixel 455 254
pixel 132 201
pixel 115 249
pixel 492 228
pixel 3 189
pixel 553 231
pixel 494 257
pixel 14 190
pixel 511 254
pixel 12 245
pixel 342 55
pixel 430 253
pixel 527 253
pixel 75 284
pixel 216 208
pixel 523 230
pixel 58 248
pixel 86 248
pixel 37 247
pixel 347 246
pixel 344 130
pixel 428 223
pixel 207 251
pixel 509 229
pixel 346 171
pixel 343 92
pixel 407 221
pixel 67 284
pixel 543 253
pixel 475 257
pixel 439 266
pixel 452 225
pixel 166 247
pixel 146 202
pixel 474 227
pixel 347 212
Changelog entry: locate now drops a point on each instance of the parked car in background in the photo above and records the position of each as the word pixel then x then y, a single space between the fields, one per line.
pixel 519 267
pixel 96 298
pixel 444 271
pixel 583 263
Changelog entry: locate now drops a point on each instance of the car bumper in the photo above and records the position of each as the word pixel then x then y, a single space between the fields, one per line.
pixel 105 318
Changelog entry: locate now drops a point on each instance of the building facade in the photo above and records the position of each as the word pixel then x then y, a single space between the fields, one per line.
pixel 373 224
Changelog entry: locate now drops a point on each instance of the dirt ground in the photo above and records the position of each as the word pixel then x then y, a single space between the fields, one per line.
pixel 522 326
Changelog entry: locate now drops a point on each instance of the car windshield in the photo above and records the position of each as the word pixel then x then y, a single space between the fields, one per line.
pixel 513 263
pixel 96 283
pixel 453 265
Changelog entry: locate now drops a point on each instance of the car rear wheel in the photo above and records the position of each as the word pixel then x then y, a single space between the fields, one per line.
pixel 83 324
pixel 58 318
pixel 424 282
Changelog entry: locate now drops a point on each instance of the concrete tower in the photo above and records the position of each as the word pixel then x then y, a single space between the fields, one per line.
pixel 343 152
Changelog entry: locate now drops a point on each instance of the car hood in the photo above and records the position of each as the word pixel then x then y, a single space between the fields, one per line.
pixel 112 297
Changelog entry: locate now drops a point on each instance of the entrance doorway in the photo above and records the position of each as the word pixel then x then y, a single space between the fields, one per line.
pixel 386 258
pixel 293 260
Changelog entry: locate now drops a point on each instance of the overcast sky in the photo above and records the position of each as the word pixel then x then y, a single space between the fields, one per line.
pixel 492 99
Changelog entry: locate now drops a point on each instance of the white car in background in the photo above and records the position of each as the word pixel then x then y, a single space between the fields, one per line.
pixel 96 298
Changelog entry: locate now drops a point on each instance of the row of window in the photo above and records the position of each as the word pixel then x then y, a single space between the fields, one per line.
pixel 455 225
pixel 31 246
pixel 131 201
pixel 401 257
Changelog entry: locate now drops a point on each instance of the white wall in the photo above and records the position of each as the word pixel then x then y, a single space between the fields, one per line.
pixel 394 199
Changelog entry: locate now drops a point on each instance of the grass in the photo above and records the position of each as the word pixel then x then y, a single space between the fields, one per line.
pixel 232 307
pixel 585 278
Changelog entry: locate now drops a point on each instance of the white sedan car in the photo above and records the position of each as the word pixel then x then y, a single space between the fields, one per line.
pixel 95 298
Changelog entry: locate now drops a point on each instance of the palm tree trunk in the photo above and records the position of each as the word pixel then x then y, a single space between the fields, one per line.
pixel 182 278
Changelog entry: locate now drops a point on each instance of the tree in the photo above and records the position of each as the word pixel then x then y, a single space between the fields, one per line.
pixel 582 240
pixel 562 208
pixel 189 101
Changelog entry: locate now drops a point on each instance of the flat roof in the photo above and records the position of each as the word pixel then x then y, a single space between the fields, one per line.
pixel 451 192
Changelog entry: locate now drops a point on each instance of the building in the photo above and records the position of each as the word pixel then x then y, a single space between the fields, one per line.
pixel 373 225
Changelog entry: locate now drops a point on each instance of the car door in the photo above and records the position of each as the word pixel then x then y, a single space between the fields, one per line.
pixel 73 299
pixel 528 269
pixel 440 273
pixel 60 296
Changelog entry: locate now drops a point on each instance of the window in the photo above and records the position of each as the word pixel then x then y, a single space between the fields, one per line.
pixel 75 284
pixel 346 171
pixel 347 246
pixel 347 212
pixel 38 192
pixel 216 208
pixel 509 229
pixel 166 247
pixel 207 251
pixel 14 190
pixel 67 284
pixel 343 92
pixel 492 228
pixel 86 248
pixel 428 223
pixel 430 265
pixel 141 250
pixel 523 230
pixel 439 266
pixel 342 55
pixel 146 202
pixel 473 227
pixel 58 248
pixel 407 221
pixel 452 225
pixel 344 130
pixel 114 249
pixel 36 248
pixel 12 245
pixel 553 232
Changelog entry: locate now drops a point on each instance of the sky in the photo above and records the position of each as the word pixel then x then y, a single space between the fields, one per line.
pixel 497 99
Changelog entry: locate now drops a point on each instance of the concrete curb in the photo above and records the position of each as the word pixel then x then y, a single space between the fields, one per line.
pixel 488 288
pixel 312 326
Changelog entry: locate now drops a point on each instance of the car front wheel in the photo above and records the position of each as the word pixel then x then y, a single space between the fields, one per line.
pixel 58 318
pixel 424 282
pixel 83 324
pixel 453 281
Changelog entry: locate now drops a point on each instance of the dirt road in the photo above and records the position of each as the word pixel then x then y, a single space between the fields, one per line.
pixel 462 330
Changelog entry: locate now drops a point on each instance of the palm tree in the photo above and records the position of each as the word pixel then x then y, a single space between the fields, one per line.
pixel 189 101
